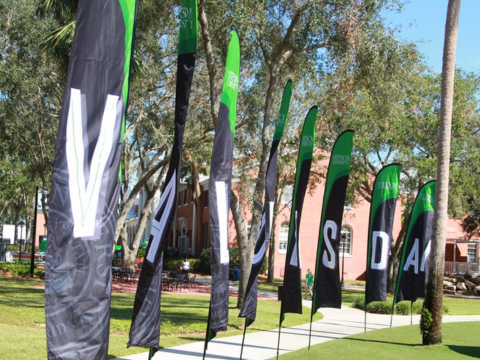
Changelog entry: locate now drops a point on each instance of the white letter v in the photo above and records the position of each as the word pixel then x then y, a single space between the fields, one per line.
pixel 84 201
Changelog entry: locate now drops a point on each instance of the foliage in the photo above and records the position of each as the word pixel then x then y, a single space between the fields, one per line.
pixel 234 252
pixel 386 307
pixel 426 322
pixel 141 253
pixel 173 263
pixel 22 270
pixel 30 99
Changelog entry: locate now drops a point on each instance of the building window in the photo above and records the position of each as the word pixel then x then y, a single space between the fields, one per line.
pixel 287 195
pixel 472 252
pixel 345 247
pixel 186 196
pixel 283 238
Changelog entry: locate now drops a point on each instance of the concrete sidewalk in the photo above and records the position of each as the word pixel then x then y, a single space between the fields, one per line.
pixel 336 324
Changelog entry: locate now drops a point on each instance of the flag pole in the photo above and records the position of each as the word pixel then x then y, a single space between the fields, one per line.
pixel 278 343
pixel 310 333
pixel 243 339
pixel 365 322
pixel 207 333
pixel 411 313
pixel 393 312
pixel 151 353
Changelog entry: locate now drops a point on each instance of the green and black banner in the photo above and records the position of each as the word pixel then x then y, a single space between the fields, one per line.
pixel 249 309
pixel 85 183
pixel 413 271
pixel 382 212
pixel 327 289
pixel 219 188
pixel 145 328
pixel 292 284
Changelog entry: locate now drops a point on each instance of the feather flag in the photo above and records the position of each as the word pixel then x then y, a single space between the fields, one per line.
pixel 85 183
pixel 327 290
pixel 249 308
pixel 413 272
pixel 219 191
pixel 292 284
pixel 145 328
pixel 382 212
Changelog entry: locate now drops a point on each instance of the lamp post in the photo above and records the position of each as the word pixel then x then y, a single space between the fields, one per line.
pixel 343 239
pixel 21 223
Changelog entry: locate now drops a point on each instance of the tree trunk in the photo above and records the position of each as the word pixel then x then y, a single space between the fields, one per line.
pixel 245 248
pixel 197 202
pixel 431 322
pixel 130 252
pixel 273 237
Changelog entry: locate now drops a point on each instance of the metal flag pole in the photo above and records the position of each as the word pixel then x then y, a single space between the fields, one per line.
pixel 393 313
pixel 310 333
pixel 243 340
pixel 151 353
pixel 411 312
pixel 279 332
pixel 365 323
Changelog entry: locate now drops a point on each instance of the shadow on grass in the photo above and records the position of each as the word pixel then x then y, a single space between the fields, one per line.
pixel 382 342
pixel 472 351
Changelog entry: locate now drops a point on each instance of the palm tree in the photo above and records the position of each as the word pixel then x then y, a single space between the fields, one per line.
pixel 431 322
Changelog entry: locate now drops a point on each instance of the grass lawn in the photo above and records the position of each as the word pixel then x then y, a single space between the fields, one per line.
pixel 184 318
pixel 460 341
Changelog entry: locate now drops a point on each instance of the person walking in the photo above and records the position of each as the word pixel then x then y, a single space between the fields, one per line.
pixel 309 284
pixel 185 267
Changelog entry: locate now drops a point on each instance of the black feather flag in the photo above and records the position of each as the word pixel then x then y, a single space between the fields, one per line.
pixel 249 308
pixel 145 328
pixel 85 183
pixel 219 191
pixel 382 212
pixel 327 289
pixel 292 284
pixel 413 271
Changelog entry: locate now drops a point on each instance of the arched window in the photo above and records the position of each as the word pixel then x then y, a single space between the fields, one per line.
pixel 283 238
pixel 346 241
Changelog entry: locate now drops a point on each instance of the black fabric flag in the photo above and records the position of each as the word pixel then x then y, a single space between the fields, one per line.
pixel 327 290
pixel 219 191
pixel 413 271
pixel 249 309
pixel 292 284
pixel 85 183
pixel 145 328
pixel 382 212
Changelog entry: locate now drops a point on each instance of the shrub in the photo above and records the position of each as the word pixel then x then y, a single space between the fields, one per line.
pixel 206 257
pixel 385 307
pixel 141 253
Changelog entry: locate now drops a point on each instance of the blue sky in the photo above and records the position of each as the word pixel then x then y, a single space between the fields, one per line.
pixel 428 25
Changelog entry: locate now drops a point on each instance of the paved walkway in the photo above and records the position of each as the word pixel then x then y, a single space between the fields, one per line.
pixel 336 324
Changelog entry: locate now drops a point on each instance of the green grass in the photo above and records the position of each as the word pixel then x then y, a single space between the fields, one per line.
pixel 22 320
pixel 460 341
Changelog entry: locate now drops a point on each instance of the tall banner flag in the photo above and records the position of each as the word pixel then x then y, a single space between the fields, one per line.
pixel 413 272
pixel 249 309
pixel 219 191
pixel 382 212
pixel 292 284
pixel 85 183
pixel 327 290
pixel 145 328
